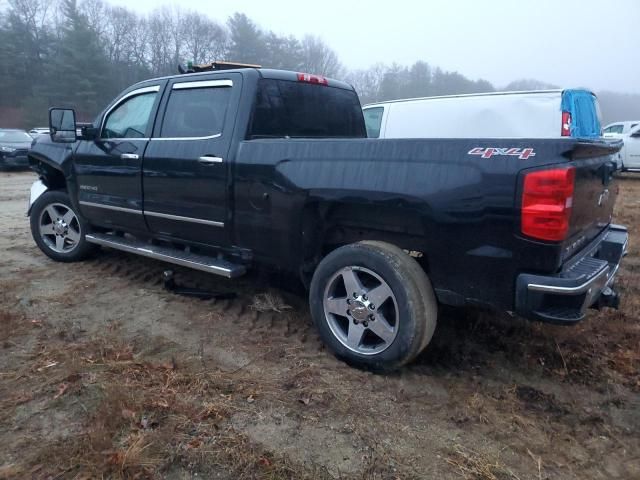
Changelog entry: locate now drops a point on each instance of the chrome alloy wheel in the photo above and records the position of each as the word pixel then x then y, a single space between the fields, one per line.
pixel 59 228
pixel 361 310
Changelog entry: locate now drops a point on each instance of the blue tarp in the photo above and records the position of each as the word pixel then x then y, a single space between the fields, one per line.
pixel 581 104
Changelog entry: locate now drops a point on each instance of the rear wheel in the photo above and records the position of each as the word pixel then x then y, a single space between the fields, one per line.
pixel 373 305
pixel 57 229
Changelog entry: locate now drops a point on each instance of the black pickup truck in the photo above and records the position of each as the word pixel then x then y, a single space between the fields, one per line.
pixel 237 169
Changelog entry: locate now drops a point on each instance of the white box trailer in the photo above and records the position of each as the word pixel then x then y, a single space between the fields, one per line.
pixel 534 114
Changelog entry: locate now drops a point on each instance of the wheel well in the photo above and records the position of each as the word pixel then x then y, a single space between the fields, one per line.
pixel 51 176
pixel 327 226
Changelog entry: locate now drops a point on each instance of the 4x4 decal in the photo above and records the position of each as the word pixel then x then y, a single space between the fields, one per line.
pixel 521 153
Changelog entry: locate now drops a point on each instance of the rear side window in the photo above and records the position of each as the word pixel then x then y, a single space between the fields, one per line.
pixel 195 112
pixel 373 121
pixel 614 129
pixel 294 109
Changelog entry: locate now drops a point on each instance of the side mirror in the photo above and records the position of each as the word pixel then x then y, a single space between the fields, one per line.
pixel 86 131
pixel 62 125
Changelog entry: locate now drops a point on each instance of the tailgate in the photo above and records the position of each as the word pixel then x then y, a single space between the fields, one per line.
pixel 594 195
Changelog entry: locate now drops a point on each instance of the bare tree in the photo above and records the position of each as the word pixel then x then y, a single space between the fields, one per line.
pixel 318 58
pixel 204 39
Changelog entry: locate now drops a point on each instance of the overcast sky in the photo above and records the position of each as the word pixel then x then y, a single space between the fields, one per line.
pixel 571 43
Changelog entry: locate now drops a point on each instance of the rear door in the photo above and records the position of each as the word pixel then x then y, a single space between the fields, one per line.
pixel 631 153
pixel 108 169
pixel 186 168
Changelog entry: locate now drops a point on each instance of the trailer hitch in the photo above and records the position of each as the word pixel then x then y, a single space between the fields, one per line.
pixel 607 298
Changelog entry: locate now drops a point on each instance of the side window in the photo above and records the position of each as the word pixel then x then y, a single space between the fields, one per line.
pixel 196 112
pixel 373 121
pixel 614 129
pixel 131 118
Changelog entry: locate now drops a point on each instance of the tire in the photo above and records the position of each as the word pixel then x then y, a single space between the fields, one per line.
pixel 57 229
pixel 378 337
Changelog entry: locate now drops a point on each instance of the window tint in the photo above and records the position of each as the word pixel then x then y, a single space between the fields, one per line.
pixel 633 125
pixel 195 112
pixel 131 118
pixel 295 109
pixel 373 121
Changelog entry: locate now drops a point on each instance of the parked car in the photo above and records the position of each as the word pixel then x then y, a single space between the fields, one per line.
pixel 535 114
pixel 232 170
pixel 614 130
pixel 14 145
pixel 39 131
pixel 628 158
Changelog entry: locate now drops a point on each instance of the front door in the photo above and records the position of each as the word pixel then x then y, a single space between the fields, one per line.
pixel 185 168
pixel 109 169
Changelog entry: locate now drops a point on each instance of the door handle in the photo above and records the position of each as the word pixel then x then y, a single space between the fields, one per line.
pixel 209 159
pixel 129 156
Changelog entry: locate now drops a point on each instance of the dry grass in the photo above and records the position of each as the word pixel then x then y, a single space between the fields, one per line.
pixel 11 324
pixel 473 465
pixel 269 302
pixel 147 417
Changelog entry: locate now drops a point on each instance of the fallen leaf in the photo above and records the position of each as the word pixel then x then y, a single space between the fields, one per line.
pixel 265 461
pixel 195 443
pixel 61 390
pixel 251 399
pixel 128 414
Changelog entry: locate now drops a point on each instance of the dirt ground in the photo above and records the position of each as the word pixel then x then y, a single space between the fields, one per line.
pixel 104 374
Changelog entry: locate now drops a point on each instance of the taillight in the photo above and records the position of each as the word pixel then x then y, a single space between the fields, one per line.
pixel 317 79
pixel 547 199
pixel 566 124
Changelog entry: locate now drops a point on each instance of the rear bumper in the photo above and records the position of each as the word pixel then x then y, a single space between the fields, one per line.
pixel 586 282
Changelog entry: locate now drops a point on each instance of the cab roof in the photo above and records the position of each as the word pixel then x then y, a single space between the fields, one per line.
pixel 262 73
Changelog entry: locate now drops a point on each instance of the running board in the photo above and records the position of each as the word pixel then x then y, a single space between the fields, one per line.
pixel 204 263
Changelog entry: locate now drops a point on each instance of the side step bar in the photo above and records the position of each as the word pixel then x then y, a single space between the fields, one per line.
pixel 186 259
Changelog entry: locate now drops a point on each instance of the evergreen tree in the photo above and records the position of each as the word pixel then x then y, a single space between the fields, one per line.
pixel 246 41
pixel 78 74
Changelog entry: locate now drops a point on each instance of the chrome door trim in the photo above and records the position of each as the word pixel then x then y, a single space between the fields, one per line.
pixel 187 138
pixel 184 219
pixel 110 207
pixel 139 91
pixel 202 84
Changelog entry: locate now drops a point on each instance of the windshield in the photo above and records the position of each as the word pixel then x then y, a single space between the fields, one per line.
pixel 293 109
pixel 14 136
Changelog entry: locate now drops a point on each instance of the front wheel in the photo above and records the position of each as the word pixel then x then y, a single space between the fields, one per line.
pixel 57 229
pixel 373 305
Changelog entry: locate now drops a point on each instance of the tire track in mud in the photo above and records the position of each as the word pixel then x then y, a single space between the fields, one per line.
pixel 292 324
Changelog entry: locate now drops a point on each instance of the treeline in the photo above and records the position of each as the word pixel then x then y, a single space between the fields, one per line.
pixel 83 53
